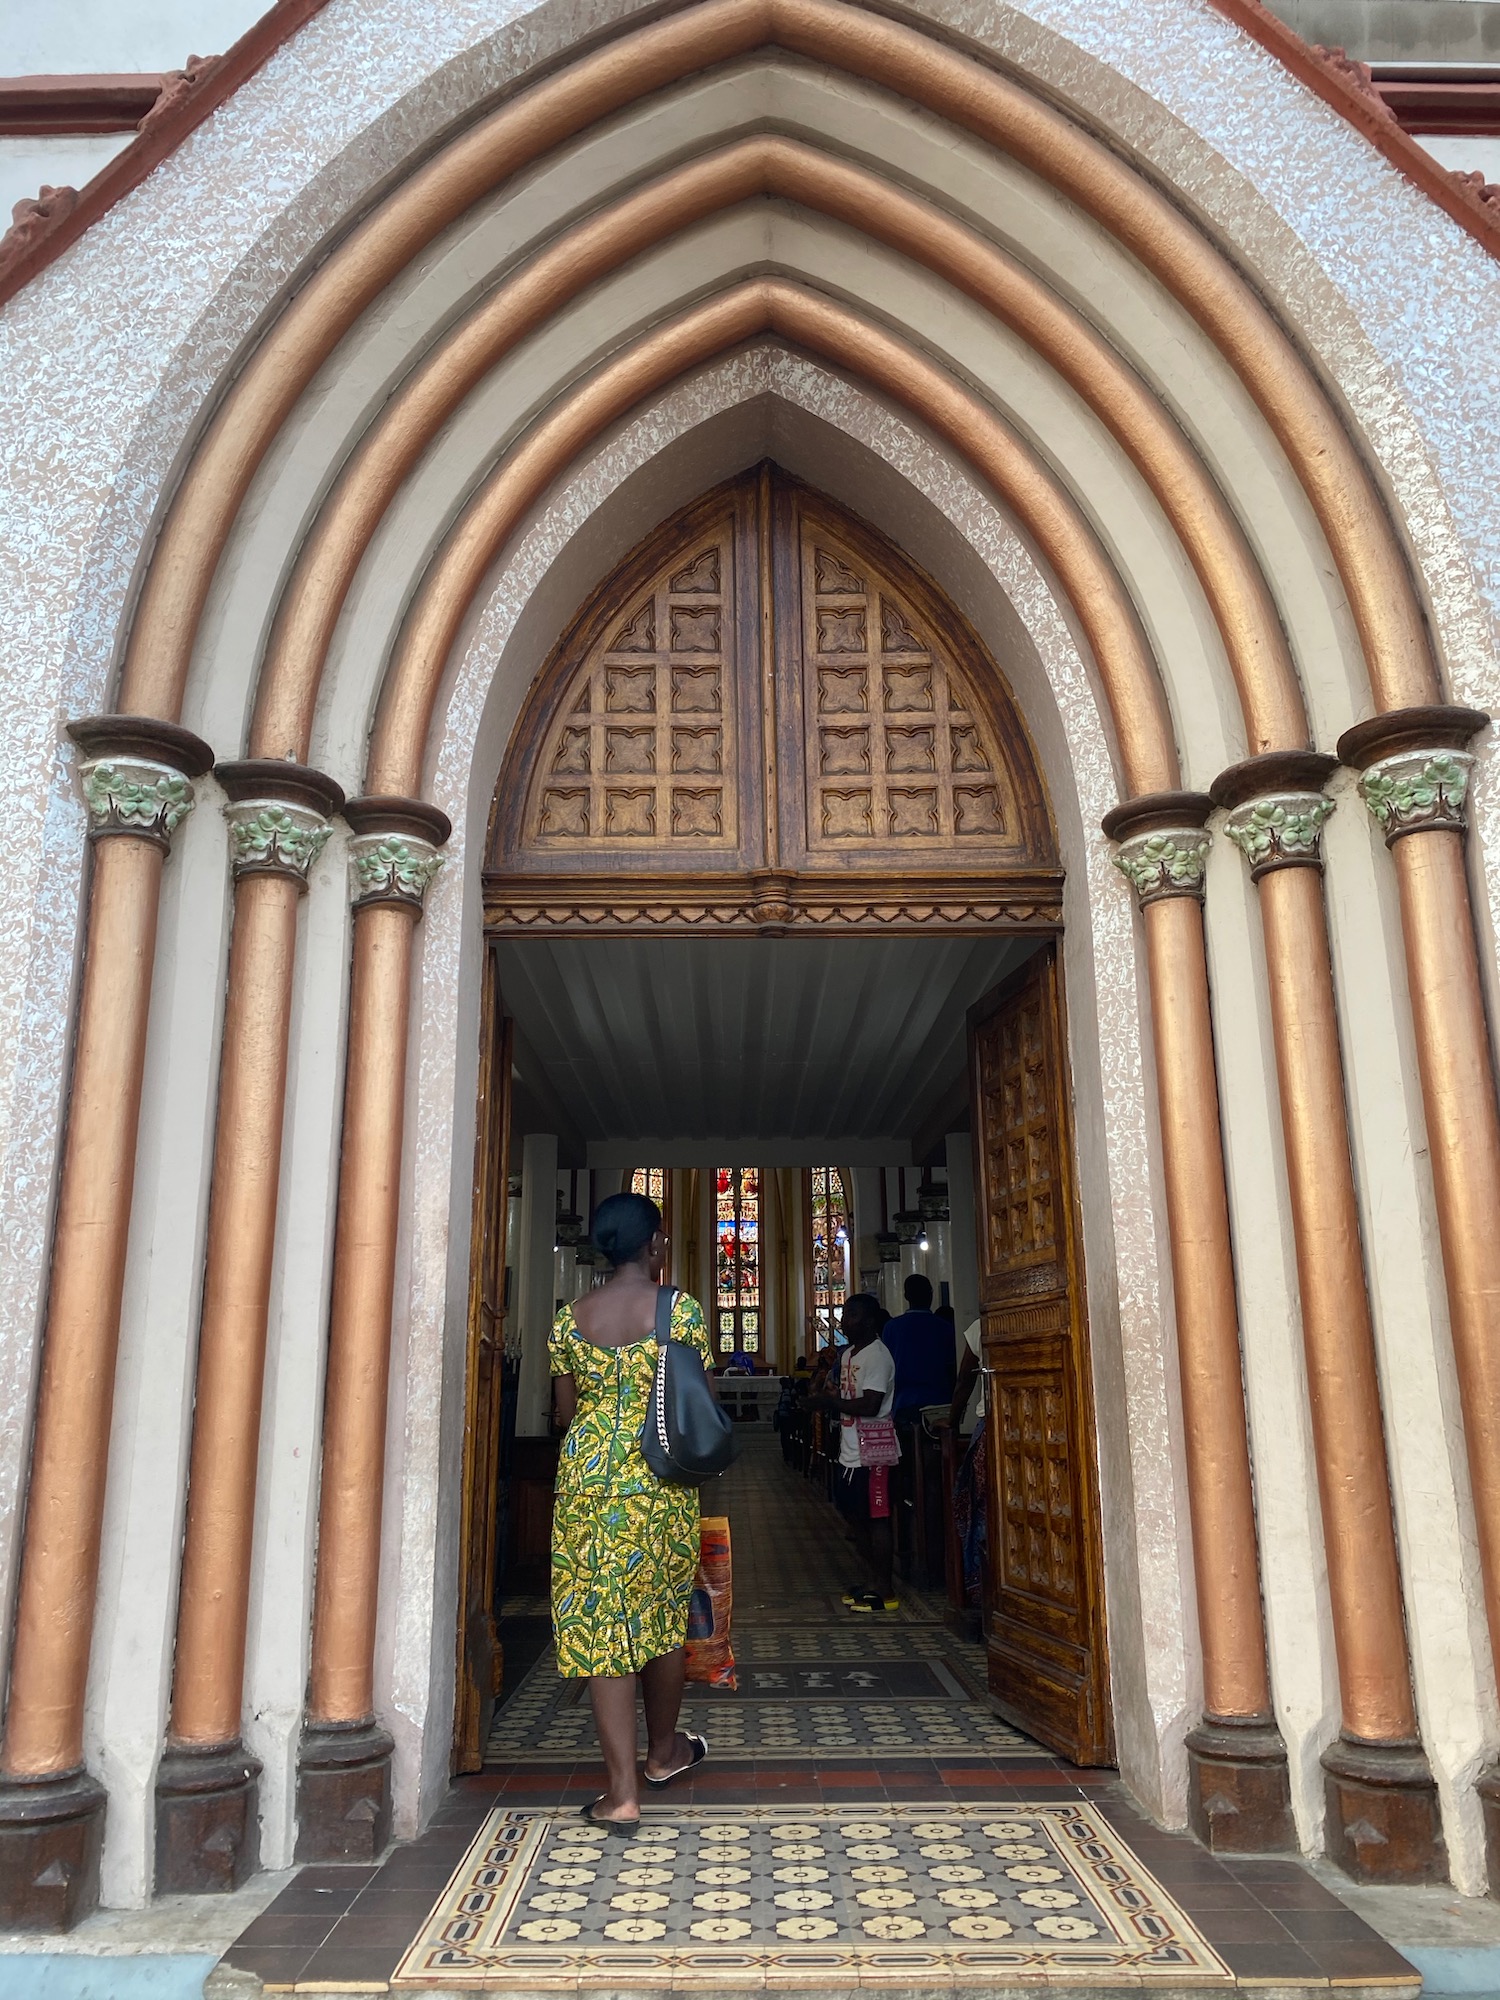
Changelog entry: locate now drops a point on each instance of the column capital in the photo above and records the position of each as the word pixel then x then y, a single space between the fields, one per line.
pixel 1276 808
pixel 136 775
pixel 1282 830
pixel 1161 843
pixel 394 854
pixel 279 816
pixel 1414 768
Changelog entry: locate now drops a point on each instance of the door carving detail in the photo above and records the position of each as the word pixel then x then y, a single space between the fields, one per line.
pixel 644 747
pixel 766 688
pixel 1048 1662
pixel 895 752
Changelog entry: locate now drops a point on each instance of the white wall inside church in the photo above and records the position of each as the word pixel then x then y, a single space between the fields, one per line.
pixel 80 356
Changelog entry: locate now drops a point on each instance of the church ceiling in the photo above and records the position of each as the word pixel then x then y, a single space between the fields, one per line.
pixel 739 1038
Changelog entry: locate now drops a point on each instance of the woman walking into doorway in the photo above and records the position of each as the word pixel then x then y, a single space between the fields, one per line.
pixel 624 1543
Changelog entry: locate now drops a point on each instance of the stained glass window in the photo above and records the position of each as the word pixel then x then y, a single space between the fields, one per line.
pixel 828 1246
pixel 737 1258
pixel 656 1184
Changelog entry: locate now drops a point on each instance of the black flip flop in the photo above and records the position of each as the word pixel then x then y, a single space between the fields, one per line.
pixel 626 1827
pixel 700 1751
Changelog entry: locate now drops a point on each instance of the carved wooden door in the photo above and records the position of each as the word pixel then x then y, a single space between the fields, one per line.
pixel 480 1657
pixel 1048 1665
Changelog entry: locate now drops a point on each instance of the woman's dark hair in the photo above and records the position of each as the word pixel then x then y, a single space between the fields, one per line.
pixel 623 1225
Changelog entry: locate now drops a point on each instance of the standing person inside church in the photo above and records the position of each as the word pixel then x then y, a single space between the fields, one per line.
pixel 624 1543
pixel 922 1347
pixel 866 1380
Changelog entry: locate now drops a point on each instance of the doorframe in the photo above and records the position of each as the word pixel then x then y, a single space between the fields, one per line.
pixel 479 1657
pixel 1020 899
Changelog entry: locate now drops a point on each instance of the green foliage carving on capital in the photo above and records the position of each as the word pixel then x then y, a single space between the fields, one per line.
pixel 1417 790
pixel 1164 864
pixel 392 867
pixel 132 795
pixel 268 837
pixel 1283 830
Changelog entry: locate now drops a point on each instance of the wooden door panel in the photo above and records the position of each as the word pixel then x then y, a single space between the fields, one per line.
pixel 1048 1660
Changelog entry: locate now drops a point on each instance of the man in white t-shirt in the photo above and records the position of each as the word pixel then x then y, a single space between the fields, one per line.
pixel 867 1382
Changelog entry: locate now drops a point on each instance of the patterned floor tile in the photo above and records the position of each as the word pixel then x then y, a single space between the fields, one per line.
pixel 776 1713
pixel 930 1894
pixel 815 1681
pixel 797 1859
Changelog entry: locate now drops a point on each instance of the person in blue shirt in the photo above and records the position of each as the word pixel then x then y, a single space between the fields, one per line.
pixel 922 1347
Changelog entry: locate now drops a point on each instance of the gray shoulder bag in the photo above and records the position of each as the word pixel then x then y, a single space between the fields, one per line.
pixel 686 1437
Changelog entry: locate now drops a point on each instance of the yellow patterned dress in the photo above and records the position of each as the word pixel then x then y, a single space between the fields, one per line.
pixel 624 1543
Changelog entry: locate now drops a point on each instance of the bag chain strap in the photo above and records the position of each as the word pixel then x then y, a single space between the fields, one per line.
pixel 661 1385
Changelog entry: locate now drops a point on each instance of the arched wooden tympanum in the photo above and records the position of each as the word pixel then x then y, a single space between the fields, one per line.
pixel 763 717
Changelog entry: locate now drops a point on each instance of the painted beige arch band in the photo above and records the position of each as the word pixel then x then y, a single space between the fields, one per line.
pixel 900 58
pixel 772 305
pixel 1265 678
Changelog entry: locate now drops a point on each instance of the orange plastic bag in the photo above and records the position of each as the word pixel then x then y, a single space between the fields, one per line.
pixel 710 1657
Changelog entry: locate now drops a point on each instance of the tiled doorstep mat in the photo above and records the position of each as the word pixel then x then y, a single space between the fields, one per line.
pixel 915 1894
pixel 547 1719
pixel 848 1638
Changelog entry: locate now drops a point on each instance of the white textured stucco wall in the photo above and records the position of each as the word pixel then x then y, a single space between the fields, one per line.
pixel 115 353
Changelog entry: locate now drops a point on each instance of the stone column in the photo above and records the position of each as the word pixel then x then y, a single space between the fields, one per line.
pixel 1384 1823
pixel 343 1774
pixel 207 1823
pixel 864 1222
pixel 963 1242
pixel 1239 1795
pixel 566 1283
pixel 908 1227
pixel 1414 777
pixel 136 776
pixel 888 1249
pixel 939 1258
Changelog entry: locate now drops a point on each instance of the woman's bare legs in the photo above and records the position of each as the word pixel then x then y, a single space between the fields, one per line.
pixel 613 1699
pixel 661 1684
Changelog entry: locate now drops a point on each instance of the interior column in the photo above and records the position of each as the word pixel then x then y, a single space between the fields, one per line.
pixel 343 1772
pixel 207 1820
pixel 135 776
pixel 1383 1822
pixel 958 1150
pixel 1239 1796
